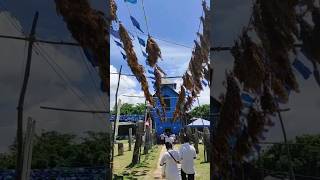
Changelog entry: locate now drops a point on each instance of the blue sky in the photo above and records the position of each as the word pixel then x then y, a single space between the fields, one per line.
pixel 175 21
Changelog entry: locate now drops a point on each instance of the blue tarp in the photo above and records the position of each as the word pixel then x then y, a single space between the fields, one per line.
pixel 199 122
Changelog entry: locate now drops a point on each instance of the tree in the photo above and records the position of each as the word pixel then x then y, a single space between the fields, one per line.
pixel 202 111
pixel 53 149
pixel 305 153
pixel 130 109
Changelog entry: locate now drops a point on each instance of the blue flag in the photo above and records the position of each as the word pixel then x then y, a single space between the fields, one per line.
pixel 144 54
pixel 131 1
pixel 123 56
pixel 91 57
pixel 302 69
pixel 119 44
pixel 316 75
pixel 142 42
pixel 136 23
pixel 246 97
pixel 114 33
pixel 204 83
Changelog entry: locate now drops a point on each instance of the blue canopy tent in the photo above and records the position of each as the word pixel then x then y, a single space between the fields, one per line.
pixel 199 123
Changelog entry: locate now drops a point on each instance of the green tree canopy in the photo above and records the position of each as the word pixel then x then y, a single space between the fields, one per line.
pixel 53 149
pixel 130 109
pixel 202 111
pixel 305 153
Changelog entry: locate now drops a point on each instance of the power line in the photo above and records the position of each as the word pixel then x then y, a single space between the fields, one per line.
pixel 165 77
pixel 94 82
pixel 46 58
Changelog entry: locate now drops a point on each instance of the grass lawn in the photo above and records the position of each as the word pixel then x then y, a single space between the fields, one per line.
pixel 148 163
pixel 202 168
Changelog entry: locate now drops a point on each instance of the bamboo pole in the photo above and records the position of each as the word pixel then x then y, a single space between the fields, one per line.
pixel 114 129
pixel 19 159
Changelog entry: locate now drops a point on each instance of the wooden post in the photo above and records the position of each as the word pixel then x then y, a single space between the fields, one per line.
pixel 130 138
pixel 116 122
pixel 19 160
pixel 114 125
pixel 196 140
pixel 147 140
pixel 206 142
pixel 137 145
pixel 27 149
pixel 120 149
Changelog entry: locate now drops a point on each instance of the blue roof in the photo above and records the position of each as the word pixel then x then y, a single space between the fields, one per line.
pixel 126 118
pixel 199 122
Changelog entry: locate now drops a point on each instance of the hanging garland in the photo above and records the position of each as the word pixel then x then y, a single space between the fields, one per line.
pixel 113 10
pixel 227 126
pixel 249 67
pixel 275 24
pixel 153 51
pixel 197 68
pixel 158 76
pixel 135 67
pixel 90 29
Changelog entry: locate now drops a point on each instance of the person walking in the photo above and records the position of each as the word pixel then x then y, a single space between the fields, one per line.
pixel 169 161
pixel 187 155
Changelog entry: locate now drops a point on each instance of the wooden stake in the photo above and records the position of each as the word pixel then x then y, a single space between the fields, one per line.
pixel 130 138
pixel 22 97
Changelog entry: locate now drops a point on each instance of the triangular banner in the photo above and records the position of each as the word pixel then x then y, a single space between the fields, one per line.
pixel 131 1
pixel 141 41
pixel 91 57
pixel 136 23
pixel 114 33
pixel 118 44
pixel 302 69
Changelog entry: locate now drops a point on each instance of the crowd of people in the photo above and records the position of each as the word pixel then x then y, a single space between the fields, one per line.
pixel 185 155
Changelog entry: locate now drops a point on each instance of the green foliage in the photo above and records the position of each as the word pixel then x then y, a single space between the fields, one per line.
pixel 129 109
pixel 305 153
pixel 53 149
pixel 202 111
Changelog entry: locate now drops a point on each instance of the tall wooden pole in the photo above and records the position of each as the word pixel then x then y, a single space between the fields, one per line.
pixel 19 159
pixel 114 129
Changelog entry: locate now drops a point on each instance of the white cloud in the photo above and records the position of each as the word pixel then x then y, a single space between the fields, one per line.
pixel 128 86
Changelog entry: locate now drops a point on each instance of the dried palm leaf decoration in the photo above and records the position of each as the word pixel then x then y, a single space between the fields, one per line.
pixel 228 123
pixel 89 28
pixel 275 24
pixel 135 67
pixel 113 10
pixel 180 103
pixel 198 64
pixel 153 51
pixel 249 67
pixel 158 77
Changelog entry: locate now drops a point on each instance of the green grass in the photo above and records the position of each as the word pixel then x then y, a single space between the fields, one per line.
pixel 202 168
pixel 148 163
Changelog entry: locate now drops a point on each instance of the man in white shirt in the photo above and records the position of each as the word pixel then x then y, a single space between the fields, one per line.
pixel 162 136
pixel 187 156
pixel 169 139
